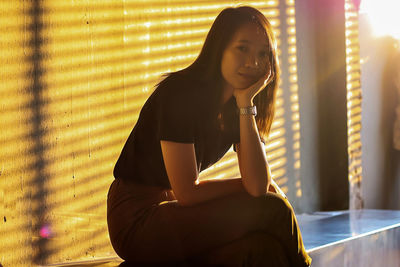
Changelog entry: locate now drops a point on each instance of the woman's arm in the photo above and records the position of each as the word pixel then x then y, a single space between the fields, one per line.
pixel 252 159
pixel 181 167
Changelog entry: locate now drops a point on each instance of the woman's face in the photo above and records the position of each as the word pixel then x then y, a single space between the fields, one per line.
pixel 246 58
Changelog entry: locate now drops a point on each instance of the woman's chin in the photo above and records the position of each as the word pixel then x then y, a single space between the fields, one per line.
pixel 243 86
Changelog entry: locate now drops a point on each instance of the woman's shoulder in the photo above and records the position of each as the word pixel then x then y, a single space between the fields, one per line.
pixel 180 86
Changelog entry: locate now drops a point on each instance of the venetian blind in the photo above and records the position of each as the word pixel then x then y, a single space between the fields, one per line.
pixel 354 99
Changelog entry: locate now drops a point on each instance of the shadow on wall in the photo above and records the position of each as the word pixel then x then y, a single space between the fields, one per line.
pixel 390 103
pixel 38 198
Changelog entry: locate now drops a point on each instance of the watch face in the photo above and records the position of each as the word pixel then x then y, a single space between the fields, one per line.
pixel 248 111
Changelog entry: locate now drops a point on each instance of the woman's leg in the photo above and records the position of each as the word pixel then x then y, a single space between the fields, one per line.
pixel 254 249
pixel 170 232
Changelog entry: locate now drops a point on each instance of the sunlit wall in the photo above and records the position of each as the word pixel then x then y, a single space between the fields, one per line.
pixel 17 157
pixel 74 77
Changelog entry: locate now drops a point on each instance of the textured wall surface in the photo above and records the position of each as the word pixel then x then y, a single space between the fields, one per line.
pixel 62 129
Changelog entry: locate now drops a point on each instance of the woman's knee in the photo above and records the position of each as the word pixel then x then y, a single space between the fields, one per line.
pixel 276 202
pixel 275 211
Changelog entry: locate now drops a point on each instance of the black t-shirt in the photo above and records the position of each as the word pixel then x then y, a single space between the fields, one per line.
pixel 176 111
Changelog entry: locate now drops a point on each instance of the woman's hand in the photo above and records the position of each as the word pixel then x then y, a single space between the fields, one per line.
pixel 244 97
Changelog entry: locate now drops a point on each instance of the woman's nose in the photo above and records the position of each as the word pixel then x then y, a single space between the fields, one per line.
pixel 252 62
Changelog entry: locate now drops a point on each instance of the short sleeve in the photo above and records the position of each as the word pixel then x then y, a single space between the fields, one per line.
pixel 177 115
pixel 234 147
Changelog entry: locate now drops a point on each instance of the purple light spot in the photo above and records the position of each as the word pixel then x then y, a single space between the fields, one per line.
pixel 45 231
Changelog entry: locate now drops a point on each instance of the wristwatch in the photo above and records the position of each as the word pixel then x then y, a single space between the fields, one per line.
pixel 252 110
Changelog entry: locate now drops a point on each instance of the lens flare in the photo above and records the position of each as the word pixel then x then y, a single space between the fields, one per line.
pixel 383 16
pixel 45 231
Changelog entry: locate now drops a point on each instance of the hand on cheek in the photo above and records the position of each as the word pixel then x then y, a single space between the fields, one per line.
pixel 244 97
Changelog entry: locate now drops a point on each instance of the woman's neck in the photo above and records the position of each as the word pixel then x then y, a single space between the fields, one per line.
pixel 226 93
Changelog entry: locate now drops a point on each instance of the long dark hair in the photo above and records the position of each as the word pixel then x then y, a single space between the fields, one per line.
pixel 206 69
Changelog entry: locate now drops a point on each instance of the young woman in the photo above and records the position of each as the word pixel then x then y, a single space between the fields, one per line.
pixel 158 211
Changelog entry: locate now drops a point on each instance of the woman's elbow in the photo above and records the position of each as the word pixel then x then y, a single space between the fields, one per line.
pixel 258 189
pixel 185 199
pixel 258 192
pixel 186 202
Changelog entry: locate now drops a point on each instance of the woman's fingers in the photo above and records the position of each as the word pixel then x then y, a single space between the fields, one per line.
pixel 263 81
pixel 251 91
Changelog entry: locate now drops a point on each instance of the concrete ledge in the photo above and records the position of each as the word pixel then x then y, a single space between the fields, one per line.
pixel 352 238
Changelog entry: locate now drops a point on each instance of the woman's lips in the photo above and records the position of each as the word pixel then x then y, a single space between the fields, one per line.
pixel 248 76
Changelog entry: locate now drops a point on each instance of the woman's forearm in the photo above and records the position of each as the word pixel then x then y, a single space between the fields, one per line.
pixel 252 158
pixel 181 167
pixel 209 189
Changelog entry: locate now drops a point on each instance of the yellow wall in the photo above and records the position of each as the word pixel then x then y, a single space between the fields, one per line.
pixel 74 76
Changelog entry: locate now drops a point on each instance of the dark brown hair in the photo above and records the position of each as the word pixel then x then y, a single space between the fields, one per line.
pixel 206 69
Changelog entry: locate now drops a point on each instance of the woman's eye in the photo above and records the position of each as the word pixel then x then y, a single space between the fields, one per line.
pixel 242 48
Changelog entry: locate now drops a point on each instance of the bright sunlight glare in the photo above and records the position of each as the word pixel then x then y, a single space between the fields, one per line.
pixel 384 16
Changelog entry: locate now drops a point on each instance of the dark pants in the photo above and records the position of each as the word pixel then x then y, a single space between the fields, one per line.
pixel 145 225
